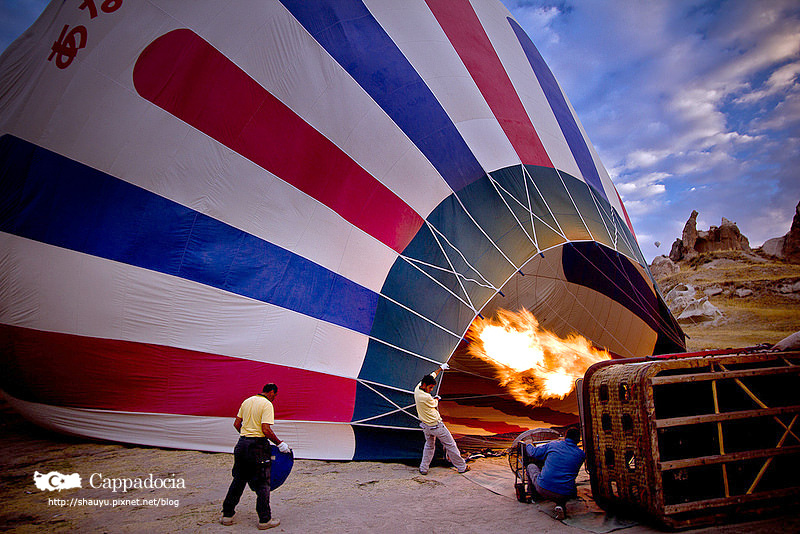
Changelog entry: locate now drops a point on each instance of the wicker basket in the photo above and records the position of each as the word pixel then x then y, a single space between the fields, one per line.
pixel 691 441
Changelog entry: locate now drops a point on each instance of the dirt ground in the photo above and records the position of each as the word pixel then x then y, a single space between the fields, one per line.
pixel 318 497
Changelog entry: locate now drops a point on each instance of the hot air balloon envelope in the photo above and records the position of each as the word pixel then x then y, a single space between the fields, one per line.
pixel 196 201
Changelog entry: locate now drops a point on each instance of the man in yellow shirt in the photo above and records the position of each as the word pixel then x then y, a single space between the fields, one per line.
pixel 432 425
pixel 251 456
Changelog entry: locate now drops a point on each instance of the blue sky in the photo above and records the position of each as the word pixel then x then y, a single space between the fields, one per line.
pixel 691 105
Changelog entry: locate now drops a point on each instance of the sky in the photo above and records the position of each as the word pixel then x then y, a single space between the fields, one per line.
pixel 691 105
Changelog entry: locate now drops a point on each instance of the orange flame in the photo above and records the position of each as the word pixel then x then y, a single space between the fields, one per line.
pixel 532 363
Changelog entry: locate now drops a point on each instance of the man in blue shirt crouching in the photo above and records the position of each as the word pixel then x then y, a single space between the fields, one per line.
pixel 555 480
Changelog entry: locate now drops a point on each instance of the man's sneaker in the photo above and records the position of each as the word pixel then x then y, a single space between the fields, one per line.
pixel 560 513
pixel 421 472
pixel 227 521
pixel 269 524
pixel 466 468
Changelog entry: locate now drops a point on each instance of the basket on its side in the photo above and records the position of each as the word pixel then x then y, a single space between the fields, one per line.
pixel 691 441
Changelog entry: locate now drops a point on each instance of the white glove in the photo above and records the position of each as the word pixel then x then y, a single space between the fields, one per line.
pixel 283 447
pixel 445 367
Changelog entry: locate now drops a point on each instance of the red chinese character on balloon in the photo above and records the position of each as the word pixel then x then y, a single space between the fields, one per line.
pixel 68 45
pixel 109 6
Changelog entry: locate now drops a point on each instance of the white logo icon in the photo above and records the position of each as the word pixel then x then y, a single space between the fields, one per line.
pixel 56 481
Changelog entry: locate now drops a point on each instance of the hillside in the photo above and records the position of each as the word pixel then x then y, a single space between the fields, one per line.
pixel 767 315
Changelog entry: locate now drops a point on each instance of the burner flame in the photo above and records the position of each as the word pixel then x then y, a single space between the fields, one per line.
pixel 534 364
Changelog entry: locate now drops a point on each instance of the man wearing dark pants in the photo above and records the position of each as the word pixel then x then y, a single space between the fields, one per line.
pixel 251 456
pixel 562 459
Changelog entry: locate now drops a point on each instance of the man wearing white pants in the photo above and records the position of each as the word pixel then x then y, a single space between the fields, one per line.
pixel 432 425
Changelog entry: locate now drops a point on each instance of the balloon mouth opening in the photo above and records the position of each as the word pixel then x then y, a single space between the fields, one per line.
pixel 509 374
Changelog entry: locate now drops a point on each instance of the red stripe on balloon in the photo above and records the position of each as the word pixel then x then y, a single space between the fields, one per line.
pixel 85 372
pixel 625 212
pixel 495 427
pixel 186 76
pixel 464 30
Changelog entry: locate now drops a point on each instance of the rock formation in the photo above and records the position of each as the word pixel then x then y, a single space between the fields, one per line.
pixel 700 311
pixel 774 246
pixel 662 266
pixel 786 247
pixel 791 247
pixel 692 243
pixel 688 309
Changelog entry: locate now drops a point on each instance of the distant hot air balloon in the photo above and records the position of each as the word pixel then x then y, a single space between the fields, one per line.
pixel 657 244
pixel 196 200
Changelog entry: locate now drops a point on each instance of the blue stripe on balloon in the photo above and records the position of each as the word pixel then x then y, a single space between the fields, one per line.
pixel 606 271
pixel 349 33
pixel 50 198
pixel 376 443
pixel 575 140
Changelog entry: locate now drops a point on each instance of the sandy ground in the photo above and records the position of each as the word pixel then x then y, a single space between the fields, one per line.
pixel 318 497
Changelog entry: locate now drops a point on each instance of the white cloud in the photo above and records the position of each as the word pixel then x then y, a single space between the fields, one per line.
pixel 690 105
pixel 630 191
pixel 783 80
pixel 645 158
pixel 537 20
pixel 643 187
pixel 636 208
pixel 785 115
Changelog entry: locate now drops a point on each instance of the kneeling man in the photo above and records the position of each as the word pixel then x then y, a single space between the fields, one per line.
pixel 555 480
